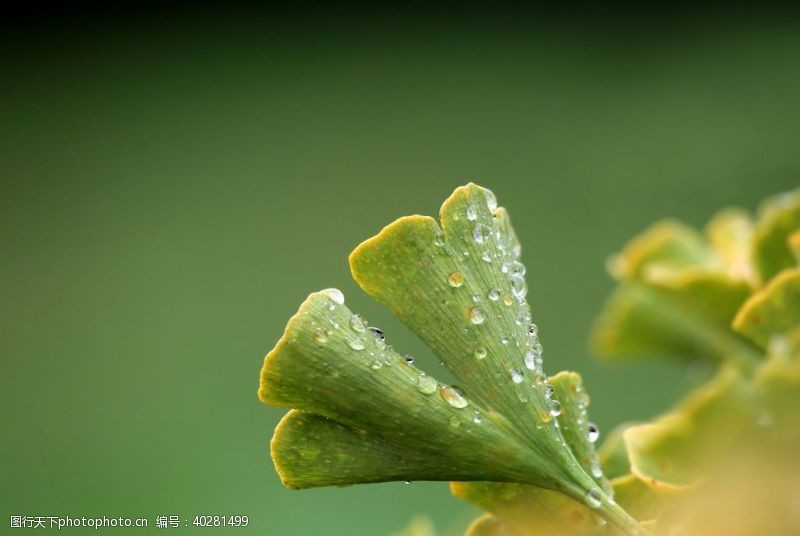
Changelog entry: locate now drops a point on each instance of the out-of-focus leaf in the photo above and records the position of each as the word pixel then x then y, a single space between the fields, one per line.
pixel 488 525
pixel 794 245
pixel 637 498
pixel 668 246
pixel 772 311
pixel 686 315
pixel 674 452
pixel 730 235
pixel 527 510
pixel 419 526
pixel 779 218
pixel 612 453
pixel 402 424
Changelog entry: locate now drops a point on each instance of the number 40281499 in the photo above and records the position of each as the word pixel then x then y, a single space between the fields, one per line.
pixel 220 521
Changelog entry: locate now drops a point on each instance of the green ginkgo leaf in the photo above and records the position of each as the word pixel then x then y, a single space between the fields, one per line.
pixel 528 509
pixel 363 413
pixel 328 363
pixel 773 311
pixel 779 218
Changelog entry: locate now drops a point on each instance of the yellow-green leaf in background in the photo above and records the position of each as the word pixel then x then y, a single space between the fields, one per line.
pixel 779 218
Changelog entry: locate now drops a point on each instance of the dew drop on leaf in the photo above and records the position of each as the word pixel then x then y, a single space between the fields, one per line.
pixel 480 233
pixel 476 315
pixel 426 385
pixel 455 279
pixel 494 294
pixel 453 397
pixel 355 344
pixel 335 294
pixel 593 498
pixel 320 335
pixel 357 323
pixel 472 213
pixel 555 408
pixel 593 433
pixel 518 286
pixel 480 352
pixel 378 333
pixel 516 375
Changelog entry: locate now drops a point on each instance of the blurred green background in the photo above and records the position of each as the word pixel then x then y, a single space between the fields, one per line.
pixel 174 183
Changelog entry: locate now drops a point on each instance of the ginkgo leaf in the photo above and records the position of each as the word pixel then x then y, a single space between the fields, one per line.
pixel 461 289
pixel 673 453
pixel 579 433
pixel 642 501
pixel 779 218
pixel 488 525
pixel 329 363
pixel 773 311
pixel 730 235
pixel 527 510
pixel 687 315
pixel 667 246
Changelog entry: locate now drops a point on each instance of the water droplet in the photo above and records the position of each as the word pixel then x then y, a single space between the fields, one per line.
pixel 594 498
pixel 476 298
pixel 593 433
pixel 453 396
pixel 523 317
pixel 508 300
pixel 516 249
pixel 487 257
pixel 355 344
pixel 504 340
pixel 476 417
pixel 491 200
pixel 409 359
pixel 480 352
pixel 516 267
pixel 378 333
pixel 407 482
pixel 472 213
pixel 375 365
pixel 426 385
pixel 531 359
pixel 494 294
pixel 455 422
pixel 476 315
pixel 555 408
pixel 481 233
pixel 335 294
pixel 455 279
pixel 533 329
pixel 505 267
pixel 516 375
pixel 545 416
pixel 320 335
pixel 595 468
pixel 438 238
pixel 357 323
pixel 518 286
pixel 548 392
